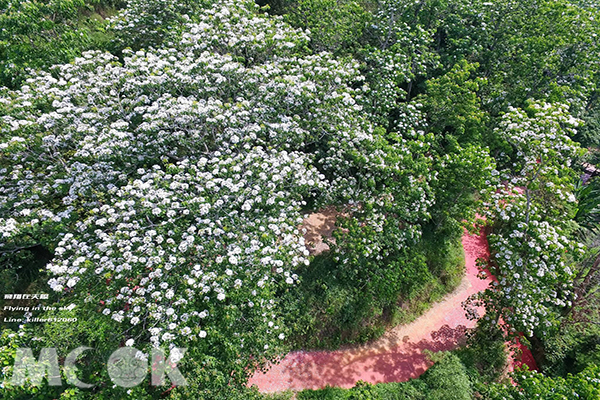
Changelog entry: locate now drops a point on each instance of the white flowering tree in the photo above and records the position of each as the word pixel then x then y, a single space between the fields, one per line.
pixel 169 186
pixel 532 253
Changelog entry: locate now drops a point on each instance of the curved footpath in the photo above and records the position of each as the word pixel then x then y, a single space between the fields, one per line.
pixel 399 354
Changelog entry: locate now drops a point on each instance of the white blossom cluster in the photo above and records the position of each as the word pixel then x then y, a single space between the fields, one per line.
pixel 533 271
pixel 179 240
pixel 532 255
pixel 169 186
pixel 544 146
pixel 109 118
pixel 232 27
pixel 401 56
pixel 249 36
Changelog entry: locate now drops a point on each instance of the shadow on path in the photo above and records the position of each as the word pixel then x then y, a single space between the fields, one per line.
pixel 397 356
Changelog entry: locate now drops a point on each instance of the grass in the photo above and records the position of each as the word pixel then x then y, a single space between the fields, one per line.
pixel 446 261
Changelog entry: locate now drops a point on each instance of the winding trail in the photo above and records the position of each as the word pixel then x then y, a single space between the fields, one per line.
pixel 399 354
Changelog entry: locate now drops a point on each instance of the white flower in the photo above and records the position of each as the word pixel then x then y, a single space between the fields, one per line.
pixel 101 221
pixel 117 317
pixel 175 355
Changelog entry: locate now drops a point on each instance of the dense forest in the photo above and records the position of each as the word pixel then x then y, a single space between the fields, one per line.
pixel 157 159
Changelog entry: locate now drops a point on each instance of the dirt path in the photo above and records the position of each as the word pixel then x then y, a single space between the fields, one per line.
pixel 395 357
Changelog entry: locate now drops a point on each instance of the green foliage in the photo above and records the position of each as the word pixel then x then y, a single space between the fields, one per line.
pixel 452 106
pixel 544 51
pixel 448 380
pixel 535 48
pixel 584 385
pixel 538 49
pixel 149 23
pixel 588 202
pixel 334 25
pixel 444 255
pixel 463 176
pixel 37 34
pixel 484 356
pixel 365 391
pixel 589 134
pixel 571 349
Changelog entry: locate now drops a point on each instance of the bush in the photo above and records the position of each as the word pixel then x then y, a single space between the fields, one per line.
pixel 533 385
pixel 448 380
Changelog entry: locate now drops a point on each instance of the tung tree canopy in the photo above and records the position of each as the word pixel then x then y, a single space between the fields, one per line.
pixel 169 186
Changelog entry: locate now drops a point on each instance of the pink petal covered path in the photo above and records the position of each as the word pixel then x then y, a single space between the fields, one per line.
pixel 398 355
